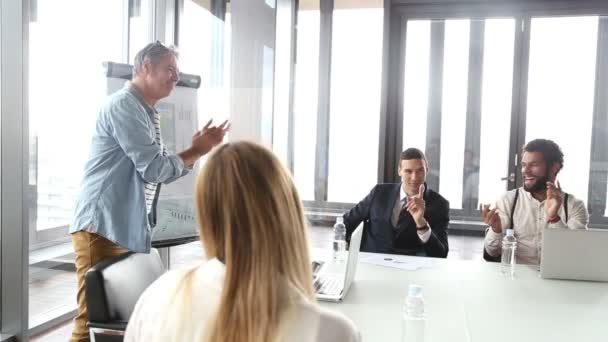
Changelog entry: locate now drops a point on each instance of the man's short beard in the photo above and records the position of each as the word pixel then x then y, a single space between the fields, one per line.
pixel 539 186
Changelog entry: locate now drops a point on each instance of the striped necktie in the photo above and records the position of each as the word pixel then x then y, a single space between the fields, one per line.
pixel 403 211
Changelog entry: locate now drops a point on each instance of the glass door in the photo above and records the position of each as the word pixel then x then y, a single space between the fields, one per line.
pixel 566 91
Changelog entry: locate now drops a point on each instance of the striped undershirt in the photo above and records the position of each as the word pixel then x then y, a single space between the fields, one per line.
pixel 149 187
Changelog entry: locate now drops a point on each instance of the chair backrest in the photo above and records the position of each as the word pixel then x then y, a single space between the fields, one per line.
pixel 113 286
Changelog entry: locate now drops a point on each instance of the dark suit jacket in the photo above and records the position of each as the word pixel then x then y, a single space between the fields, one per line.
pixel 379 235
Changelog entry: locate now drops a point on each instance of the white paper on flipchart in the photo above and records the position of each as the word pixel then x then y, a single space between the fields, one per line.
pixel 409 263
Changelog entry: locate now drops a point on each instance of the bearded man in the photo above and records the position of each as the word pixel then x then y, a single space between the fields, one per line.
pixel 540 203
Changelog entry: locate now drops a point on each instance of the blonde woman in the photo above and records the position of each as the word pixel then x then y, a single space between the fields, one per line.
pixel 256 285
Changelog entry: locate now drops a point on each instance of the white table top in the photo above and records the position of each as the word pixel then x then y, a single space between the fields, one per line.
pixel 473 301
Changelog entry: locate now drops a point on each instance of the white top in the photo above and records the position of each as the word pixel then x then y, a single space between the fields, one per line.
pixel 530 220
pixel 399 204
pixel 151 322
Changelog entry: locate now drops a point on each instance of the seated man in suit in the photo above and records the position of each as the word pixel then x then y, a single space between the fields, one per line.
pixel 403 218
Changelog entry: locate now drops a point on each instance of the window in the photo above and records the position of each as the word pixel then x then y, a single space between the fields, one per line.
pixel 140 26
pixel 416 83
pixel 58 159
pixel 472 92
pixel 306 92
pixel 267 120
pixel 281 110
pixel 561 81
pixel 496 100
pixel 356 70
pixel 454 109
pixel 474 63
pixel 204 50
pixel 204 46
pixel 66 88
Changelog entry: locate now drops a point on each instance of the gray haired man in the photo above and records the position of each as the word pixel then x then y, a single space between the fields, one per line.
pixel 126 164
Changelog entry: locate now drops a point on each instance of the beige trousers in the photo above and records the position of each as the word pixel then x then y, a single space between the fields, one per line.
pixel 89 249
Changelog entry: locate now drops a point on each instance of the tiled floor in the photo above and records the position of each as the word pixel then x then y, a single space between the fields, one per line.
pixel 53 287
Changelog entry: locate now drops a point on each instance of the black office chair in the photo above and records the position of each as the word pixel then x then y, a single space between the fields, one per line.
pixel 113 287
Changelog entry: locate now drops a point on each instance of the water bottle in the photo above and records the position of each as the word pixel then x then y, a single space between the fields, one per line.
pixel 509 244
pixel 339 240
pixel 413 315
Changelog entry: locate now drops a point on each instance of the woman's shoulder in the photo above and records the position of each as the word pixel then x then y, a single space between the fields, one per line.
pixel 169 279
pixel 157 310
pixel 334 326
pixel 330 325
pixel 159 290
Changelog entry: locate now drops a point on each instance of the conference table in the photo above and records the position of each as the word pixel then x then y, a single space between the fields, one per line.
pixel 474 301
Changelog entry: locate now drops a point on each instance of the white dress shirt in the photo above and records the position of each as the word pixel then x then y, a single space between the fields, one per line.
pixel 400 203
pixel 153 319
pixel 530 220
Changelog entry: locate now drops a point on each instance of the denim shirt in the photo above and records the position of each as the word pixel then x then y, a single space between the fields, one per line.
pixel 124 153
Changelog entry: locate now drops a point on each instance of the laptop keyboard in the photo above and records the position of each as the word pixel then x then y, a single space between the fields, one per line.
pixel 328 285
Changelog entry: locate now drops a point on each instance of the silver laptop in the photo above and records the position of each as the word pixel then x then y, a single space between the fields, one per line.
pixel 333 280
pixel 575 254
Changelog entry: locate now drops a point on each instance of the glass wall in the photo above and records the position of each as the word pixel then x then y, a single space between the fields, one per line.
pixel 336 100
pixel 476 90
pixel 204 47
pixel 354 118
pixel 496 98
pixel 472 145
pixel 283 69
pixel 57 159
pixel 453 109
pixel 66 88
pixel 306 92
pixel 140 25
pixel 416 83
pixel 561 85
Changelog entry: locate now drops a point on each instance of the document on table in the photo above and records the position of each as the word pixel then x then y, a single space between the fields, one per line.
pixel 408 263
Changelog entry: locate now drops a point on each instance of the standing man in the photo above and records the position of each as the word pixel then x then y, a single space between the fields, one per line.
pixel 403 218
pixel 127 161
pixel 539 203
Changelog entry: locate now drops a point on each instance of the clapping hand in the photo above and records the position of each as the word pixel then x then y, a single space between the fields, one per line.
pixel 554 199
pixel 491 218
pixel 208 137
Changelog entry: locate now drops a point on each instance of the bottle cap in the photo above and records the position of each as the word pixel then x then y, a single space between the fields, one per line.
pixel 339 219
pixel 414 290
pixel 510 232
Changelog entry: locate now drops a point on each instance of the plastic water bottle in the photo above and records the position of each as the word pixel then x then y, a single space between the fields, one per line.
pixel 339 240
pixel 414 320
pixel 509 245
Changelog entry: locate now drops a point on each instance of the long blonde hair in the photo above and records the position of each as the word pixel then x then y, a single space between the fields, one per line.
pixel 251 219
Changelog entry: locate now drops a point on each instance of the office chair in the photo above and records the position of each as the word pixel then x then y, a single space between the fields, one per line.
pixel 113 287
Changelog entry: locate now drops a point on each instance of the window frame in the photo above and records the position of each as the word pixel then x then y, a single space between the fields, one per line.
pixel 14 241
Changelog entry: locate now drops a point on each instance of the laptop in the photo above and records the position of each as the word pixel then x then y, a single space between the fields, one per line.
pixel 332 279
pixel 574 254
